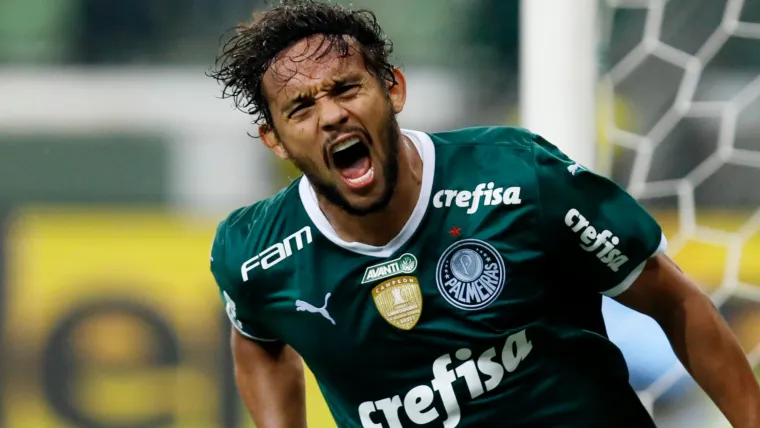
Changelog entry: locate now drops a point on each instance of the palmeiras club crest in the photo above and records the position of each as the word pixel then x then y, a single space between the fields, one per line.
pixel 470 274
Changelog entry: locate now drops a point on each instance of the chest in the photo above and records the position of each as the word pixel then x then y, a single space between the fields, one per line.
pixel 461 278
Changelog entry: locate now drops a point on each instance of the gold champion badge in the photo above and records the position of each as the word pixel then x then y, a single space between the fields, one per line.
pixel 399 301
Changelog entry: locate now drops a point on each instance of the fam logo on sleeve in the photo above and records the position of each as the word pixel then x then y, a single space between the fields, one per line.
pixel 277 252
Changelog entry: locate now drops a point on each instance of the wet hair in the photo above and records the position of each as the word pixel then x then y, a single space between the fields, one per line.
pixel 248 54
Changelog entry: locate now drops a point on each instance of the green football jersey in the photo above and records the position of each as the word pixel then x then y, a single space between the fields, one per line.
pixel 485 310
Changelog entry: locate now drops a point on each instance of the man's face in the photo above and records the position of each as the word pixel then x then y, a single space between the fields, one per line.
pixel 336 122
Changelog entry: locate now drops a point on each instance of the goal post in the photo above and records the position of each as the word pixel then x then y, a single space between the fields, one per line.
pixel 558 74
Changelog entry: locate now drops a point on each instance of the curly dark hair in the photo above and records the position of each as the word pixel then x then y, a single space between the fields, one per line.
pixel 249 53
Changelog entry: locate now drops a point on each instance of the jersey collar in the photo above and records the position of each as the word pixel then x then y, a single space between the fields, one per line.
pixel 426 149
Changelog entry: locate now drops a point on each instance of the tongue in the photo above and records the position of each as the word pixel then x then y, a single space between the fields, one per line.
pixel 356 169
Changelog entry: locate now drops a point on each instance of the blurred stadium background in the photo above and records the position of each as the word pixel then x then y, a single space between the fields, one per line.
pixel 117 160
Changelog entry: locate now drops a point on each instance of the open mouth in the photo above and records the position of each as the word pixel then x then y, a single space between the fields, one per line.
pixel 353 162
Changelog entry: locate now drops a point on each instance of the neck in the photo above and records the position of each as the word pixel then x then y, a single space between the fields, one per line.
pixel 394 216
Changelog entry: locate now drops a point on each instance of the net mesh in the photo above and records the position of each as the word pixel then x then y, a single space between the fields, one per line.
pixel 681 92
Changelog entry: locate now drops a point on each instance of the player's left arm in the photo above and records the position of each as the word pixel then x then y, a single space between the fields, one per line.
pixel 601 240
pixel 699 336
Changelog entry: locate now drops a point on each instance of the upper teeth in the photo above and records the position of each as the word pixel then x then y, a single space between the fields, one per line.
pixel 346 144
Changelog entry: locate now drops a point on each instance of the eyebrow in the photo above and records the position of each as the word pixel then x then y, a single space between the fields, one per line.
pixel 305 96
pixel 300 98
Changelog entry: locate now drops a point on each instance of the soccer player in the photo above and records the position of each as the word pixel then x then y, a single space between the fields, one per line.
pixel 447 279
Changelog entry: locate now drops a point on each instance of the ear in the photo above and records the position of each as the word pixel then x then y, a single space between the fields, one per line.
pixel 273 143
pixel 397 92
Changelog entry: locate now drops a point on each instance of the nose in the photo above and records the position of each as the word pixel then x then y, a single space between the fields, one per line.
pixel 332 115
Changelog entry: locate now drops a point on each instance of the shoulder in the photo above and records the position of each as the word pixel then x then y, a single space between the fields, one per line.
pixel 498 136
pixel 505 146
pixel 248 219
pixel 497 150
pixel 501 137
pixel 248 228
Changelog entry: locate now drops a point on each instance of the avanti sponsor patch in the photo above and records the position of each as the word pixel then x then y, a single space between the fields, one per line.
pixel 405 264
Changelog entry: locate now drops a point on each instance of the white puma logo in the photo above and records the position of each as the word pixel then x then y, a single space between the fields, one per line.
pixel 308 307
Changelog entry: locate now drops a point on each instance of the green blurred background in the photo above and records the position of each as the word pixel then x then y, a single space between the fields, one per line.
pixel 117 158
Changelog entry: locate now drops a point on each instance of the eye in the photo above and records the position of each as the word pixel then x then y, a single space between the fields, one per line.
pixel 346 89
pixel 299 108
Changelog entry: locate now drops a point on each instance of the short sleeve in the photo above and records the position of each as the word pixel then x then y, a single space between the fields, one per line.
pixel 238 304
pixel 597 232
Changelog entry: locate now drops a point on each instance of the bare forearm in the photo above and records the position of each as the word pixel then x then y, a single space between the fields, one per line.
pixel 271 384
pixel 273 406
pixel 709 351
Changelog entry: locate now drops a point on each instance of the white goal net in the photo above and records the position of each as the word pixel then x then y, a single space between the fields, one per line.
pixel 681 131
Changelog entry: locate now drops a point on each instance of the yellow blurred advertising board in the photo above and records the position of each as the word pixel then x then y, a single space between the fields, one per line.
pixel 112 319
